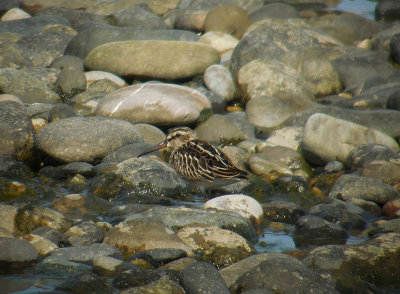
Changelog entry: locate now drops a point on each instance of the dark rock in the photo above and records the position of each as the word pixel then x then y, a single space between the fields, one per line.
pixel 352 186
pixel 363 155
pixel 13 168
pixel 16 140
pixel 84 234
pixel 387 10
pixel 393 101
pixel 60 111
pixel 284 274
pixel 8 4
pixel 395 48
pixel 135 278
pixel 160 256
pixel 292 184
pixel 282 211
pixel 311 229
pixel 16 254
pixel 68 62
pixel 202 278
pixel 385 226
pixel 86 283
pixel 274 11
pixel 54 236
pixel 82 168
pixel 74 16
pixel 88 39
pixel 128 151
pixel 139 17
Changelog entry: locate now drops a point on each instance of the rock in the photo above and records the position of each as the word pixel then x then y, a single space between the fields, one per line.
pixel 201 277
pixel 28 88
pixel 274 10
pixel 74 260
pixel 289 137
pixel 30 217
pixel 358 66
pixel 311 229
pixel 228 19
pixel 17 131
pixel 42 245
pixel 14 14
pixel 244 205
pixel 283 273
pixel 344 214
pixel 222 247
pixel 86 283
pixel 279 160
pixel 76 17
pixel 150 134
pixel 223 42
pixel 269 77
pixel 269 112
pixel 16 254
pixel 61 111
pixel 68 62
pixel 70 82
pixel 109 266
pixel 92 76
pixel 49 43
pixel 374 261
pixel 7 217
pixel 385 226
pixel 13 168
pixel 135 278
pixel 353 186
pixel 127 152
pixel 140 176
pixel 219 80
pixel 282 211
pixel 160 256
pixel 386 171
pixel 90 38
pixel 387 10
pixel 382 40
pixel 395 48
pixel 139 17
pixel 52 235
pixel 170 104
pixel 137 235
pixel 318 130
pixel 363 155
pixel 15 55
pixel 381 120
pixel 393 100
pixel 84 138
pixel 218 129
pixel 178 217
pixel 35 5
pixel 84 234
pixel 159 286
pixel 392 208
pixel 168 59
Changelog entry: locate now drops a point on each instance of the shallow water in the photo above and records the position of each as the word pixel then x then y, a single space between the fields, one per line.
pixel 361 7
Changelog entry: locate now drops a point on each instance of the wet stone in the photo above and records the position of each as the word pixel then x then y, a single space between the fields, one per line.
pixel 60 111
pixel 86 283
pixel 54 236
pixel 109 266
pixel 69 83
pixel 282 211
pixel 84 234
pixel 16 254
pixel 135 278
pixel 159 286
pixel 363 155
pixel 311 229
pixel 160 256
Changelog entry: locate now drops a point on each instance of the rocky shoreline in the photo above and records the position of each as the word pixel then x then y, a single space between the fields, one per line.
pixel 303 97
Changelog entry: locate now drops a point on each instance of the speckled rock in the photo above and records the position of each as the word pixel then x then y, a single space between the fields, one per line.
pixel 77 138
pixel 165 104
pixel 153 59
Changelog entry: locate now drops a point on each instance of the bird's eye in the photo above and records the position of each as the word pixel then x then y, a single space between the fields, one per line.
pixel 177 135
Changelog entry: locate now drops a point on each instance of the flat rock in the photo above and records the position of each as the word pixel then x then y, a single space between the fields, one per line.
pixel 84 138
pixel 354 186
pixel 153 59
pixel 319 145
pixel 154 103
pixel 141 234
pixel 16 253
pixel 244 205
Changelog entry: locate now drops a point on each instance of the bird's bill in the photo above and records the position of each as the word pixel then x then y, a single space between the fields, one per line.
pixel 155 148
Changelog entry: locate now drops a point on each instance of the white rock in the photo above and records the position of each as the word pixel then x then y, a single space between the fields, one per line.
pixel 244 205
pixel 14 14
pixel 42 245
pixel 327 138
pixel 96 75
pixel 289 137
pixel 218 79
pixel 221 41
pixel 154 103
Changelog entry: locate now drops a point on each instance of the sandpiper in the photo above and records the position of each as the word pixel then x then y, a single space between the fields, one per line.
pixel 198 161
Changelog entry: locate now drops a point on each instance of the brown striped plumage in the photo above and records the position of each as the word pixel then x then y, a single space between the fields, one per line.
pixel 196 160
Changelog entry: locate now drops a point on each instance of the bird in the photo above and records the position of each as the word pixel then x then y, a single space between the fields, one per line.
pixel 197 161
